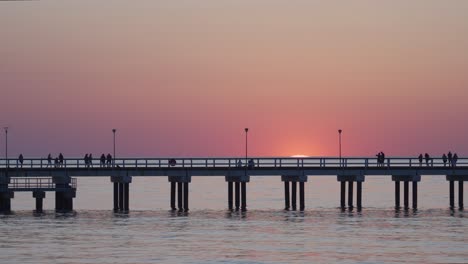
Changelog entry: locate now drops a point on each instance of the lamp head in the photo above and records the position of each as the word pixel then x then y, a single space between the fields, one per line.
pixel 339 131
pixel 246 129
pixel 114 130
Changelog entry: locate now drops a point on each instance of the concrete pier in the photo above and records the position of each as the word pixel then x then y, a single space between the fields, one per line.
pixel 406 179
pixel 121 187
pixel 181 192
pixel 452 179
pixel 293 180
pixel 359 179
pixel 239 180
pixel 5 194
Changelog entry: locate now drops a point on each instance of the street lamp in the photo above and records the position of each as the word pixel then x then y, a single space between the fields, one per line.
pixel 6 146
pixel 246 132
pixel 113 131
pixel 339 133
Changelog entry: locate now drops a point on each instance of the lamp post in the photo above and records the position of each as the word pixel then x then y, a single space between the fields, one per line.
pixel 246 132
pixel 113 131
pixel 339 135
pixel 6 147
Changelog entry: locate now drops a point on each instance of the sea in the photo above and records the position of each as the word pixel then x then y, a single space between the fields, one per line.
pixel 265 233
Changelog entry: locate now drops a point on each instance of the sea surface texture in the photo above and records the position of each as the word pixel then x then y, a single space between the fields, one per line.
pixel 209 233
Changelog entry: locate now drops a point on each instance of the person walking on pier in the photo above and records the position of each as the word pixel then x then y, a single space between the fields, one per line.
pixel 454 160
pixel 427 157
pixel 444 159
pixel 103 160
pixel 49 160
pixel 251 163
pixel 86 160
pixel 90 160
pixel 449 157
pixel 239 163
pixel 21 160
pixel 109 159
pixel 60 159
pixel 420 158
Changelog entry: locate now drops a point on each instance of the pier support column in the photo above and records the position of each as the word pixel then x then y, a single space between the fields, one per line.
pixel 290 198
pixel 397 195
pixel 230 195
pixel 452 179
pixel 121 192
pixel 301 196
pixel 294 195
pixel 237 194
pixel 182 182
pixel 406 194
pixel 173 196
pixel 406 179
pixel 186 196
pixel 359 195
pixel 239 180
pixel 460 194
pixel 5 194
pixel 452 194
pixel 116 196
pixel 180 195
pixel 244 196
pixel 350 194
pixel 64 193
pixel 415 195
pixel 39 195
pixel 343 195
pixel 286 196
pixel 359 179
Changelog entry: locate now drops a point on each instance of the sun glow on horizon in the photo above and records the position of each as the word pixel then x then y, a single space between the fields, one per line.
pixel 299 156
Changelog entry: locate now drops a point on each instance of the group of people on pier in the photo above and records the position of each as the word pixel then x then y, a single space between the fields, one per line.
pixel 104 161
pixel 250 163
pixel 380 159
pixel 58 161
pixel 448 159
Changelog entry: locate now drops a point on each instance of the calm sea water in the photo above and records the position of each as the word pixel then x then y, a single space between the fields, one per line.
pixel 263 234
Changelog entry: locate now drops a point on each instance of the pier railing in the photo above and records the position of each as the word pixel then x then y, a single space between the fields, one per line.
pixel 36 183
pixel 257 162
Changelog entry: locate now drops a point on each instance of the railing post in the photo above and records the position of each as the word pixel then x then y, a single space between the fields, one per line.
pixel 410 162
pixel 388 162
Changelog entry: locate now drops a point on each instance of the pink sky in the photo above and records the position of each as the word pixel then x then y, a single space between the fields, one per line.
pixel 183 78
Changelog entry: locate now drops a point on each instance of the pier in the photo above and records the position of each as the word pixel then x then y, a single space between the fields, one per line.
pixel 38 177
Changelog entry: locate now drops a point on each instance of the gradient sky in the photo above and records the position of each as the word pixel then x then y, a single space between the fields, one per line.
pixel 183 78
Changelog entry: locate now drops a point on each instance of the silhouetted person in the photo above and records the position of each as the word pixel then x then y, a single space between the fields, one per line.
pixel 109 160
pixel 449 157
pixel 454 160
pixel 239 163
pixel 56 162
pixel 251 163
pixel 103 160
pixel 90 160
pixel 382 158
pixel 86 160
pixel 61 159
pixel 444 159
pixel 49 160
pixel 379 158
pixel 427 157
pixel 420 158
pixel 21 160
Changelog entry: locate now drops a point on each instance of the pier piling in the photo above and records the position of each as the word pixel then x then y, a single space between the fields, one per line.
pixel 350 194
pixel 237 194
pixel 460 194
pixel 173 196
pixel 452 179
pixel 290 193
pixel 239 180
pixel 121 192
pixel 406 179
pixel 397 195
pixel 359 195
pixel 39 196
pixel 286 196
pixel 301 196
pixel 359 179
pixel 294 195
pixel 230 194
pixel 415 195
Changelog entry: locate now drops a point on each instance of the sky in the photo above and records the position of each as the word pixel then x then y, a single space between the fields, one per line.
pixel 184 78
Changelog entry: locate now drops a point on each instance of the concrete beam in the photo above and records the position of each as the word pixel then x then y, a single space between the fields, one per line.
pixel 180 178
pixel 403 178
pixel 354 178
pixel 237 178
pixel 296 178
pixel 457 177
pixel 121 179
pixel 39 194
pixel 61 179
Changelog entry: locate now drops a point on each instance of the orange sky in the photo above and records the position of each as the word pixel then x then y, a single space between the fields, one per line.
pixel 183 78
